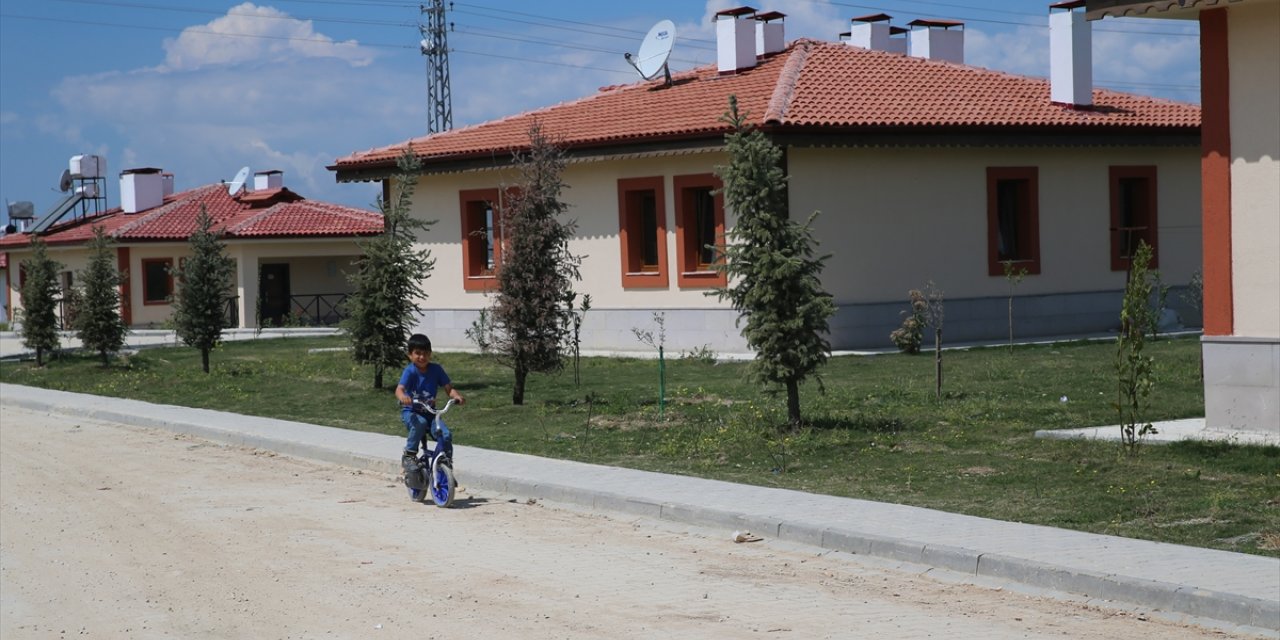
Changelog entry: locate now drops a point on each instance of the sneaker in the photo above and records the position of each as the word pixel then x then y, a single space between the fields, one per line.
pixel 409 461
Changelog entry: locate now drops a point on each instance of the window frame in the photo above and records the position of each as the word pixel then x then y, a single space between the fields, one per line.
pixel 147 298
pixel 1029 219
pixel 691 272
pixel 629 238
pixel 474 276
pixel 1115 175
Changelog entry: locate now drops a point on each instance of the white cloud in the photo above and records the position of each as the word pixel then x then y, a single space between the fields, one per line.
pixel 253 34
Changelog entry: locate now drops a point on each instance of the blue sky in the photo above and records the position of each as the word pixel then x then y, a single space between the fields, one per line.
pixel 201 88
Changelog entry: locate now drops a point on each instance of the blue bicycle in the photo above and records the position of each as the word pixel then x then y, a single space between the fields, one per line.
pixel 431 474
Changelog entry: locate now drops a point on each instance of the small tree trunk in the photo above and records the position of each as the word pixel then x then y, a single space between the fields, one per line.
pixel 204 360
pixel 377 377
pixel 793 404
pixel 517 393
pixel 937 361
pixel 39 356
pixel 105 362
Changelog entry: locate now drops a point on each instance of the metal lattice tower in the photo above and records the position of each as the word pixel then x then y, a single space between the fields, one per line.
pixel 435 47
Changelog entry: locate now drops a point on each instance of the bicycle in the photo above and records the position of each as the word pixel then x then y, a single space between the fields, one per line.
pixel 431 475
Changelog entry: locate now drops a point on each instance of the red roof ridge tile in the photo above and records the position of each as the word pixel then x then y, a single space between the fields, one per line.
pixel 785 88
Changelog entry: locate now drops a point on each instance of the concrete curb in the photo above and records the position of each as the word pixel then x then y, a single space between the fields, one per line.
pixel 362 450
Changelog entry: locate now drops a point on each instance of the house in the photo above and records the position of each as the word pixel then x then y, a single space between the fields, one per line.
pixel 923 168
pixel 1240 170
pixel 291 254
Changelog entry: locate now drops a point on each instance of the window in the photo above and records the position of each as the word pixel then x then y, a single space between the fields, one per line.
pixel 642 219
pixel 481 239
pixel 1133 214
pixel 157 282
pixel 699 228
pixel 1013 219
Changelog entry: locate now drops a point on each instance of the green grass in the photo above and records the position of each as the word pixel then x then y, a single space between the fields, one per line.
pixel 875 433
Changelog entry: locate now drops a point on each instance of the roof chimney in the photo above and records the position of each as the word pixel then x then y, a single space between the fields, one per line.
pixel 769 36
pixel 141 189
pixel 1070 55
pixel 268 180
pixel 735 40
pixel 873 32
pixel 166 181
pixel 935 40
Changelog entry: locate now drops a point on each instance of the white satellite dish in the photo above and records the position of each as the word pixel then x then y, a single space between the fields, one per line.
pixel 237 182
pixel 64 183
pixel 654 51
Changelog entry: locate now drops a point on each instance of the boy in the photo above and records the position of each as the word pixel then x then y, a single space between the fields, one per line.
pixel 421 380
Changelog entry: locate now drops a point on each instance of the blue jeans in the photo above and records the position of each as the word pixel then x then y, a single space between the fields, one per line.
pixel 420 427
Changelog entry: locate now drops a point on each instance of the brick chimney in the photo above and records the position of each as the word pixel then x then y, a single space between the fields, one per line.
pixel 1070 55
pixel 937 40
pixel 735 40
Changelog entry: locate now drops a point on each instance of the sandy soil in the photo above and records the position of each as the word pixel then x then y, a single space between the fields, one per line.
pixel 112 531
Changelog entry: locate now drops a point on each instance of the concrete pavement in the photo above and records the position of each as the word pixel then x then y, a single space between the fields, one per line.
pixel 1231 588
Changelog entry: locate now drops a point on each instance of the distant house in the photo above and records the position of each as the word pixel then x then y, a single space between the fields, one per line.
pixel 1240 167
pixel 923 168
pixel 291 253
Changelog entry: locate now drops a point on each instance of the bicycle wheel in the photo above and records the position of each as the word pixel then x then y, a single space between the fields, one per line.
pixel 442 492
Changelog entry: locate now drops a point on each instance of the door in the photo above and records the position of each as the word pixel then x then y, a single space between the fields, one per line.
pixel 273 294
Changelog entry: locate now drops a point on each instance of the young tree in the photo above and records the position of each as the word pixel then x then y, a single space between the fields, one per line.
pixel 204 284
pixel 532 310
pixel 98 322
pixel 388 279
pixel 40 301
pixel 773 274
pixel 1135 375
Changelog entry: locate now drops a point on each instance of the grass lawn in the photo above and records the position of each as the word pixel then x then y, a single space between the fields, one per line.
pixel 876 432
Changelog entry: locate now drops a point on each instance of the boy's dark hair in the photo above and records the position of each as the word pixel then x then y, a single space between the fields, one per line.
pixel 418 341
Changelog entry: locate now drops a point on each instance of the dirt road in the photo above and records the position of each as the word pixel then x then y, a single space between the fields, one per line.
pixel 112 531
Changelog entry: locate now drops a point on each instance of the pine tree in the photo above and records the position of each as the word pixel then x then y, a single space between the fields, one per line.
pixel 98 322
pixel 533 308
pixel 40 301
pixel 204 284
pixel 774 278
pixel 388 280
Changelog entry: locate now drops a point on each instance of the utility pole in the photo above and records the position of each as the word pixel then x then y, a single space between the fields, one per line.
pixel 435 47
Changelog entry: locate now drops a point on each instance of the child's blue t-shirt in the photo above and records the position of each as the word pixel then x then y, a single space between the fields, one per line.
pixel 422 386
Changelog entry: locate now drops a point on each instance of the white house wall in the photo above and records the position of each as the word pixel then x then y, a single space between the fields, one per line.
pixel 892 218
pixel 1255 168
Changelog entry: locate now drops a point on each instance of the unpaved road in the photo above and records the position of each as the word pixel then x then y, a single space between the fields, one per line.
pixel 112 531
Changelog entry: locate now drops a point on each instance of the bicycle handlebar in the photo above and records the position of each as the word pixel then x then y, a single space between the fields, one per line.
pixel 419 405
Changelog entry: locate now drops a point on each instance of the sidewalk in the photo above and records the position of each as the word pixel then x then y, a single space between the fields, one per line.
pixel 1231 588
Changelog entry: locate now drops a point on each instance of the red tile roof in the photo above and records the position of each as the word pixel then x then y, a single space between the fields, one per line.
pixel 811 87
pixel 279 213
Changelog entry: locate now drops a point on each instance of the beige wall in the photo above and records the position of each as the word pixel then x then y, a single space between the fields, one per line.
pixel 894 219
pixel 592 197
pixel 1255 169
pixel 315 267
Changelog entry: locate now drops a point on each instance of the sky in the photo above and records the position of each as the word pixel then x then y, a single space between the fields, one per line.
pixel 201 88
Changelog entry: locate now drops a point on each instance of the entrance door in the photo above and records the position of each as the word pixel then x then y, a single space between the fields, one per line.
pixel 273 293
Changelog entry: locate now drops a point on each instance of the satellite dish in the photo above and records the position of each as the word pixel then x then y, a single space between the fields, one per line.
pixel 425 47
pixel 237 183
pixel 654 51
pixel 64 183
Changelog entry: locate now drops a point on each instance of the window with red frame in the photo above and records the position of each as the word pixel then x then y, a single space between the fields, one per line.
pixel 1013 219
pixel 642 220
pixel 481 238
pixel 1133 214
pixel 157 280
pixel 699 230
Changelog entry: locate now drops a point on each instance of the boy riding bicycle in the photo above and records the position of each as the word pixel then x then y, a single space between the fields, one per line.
pixel 421 380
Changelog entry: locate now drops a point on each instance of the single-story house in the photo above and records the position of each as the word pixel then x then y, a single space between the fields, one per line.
pixel 291 253
pixel 923 169
pixel 1240 170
